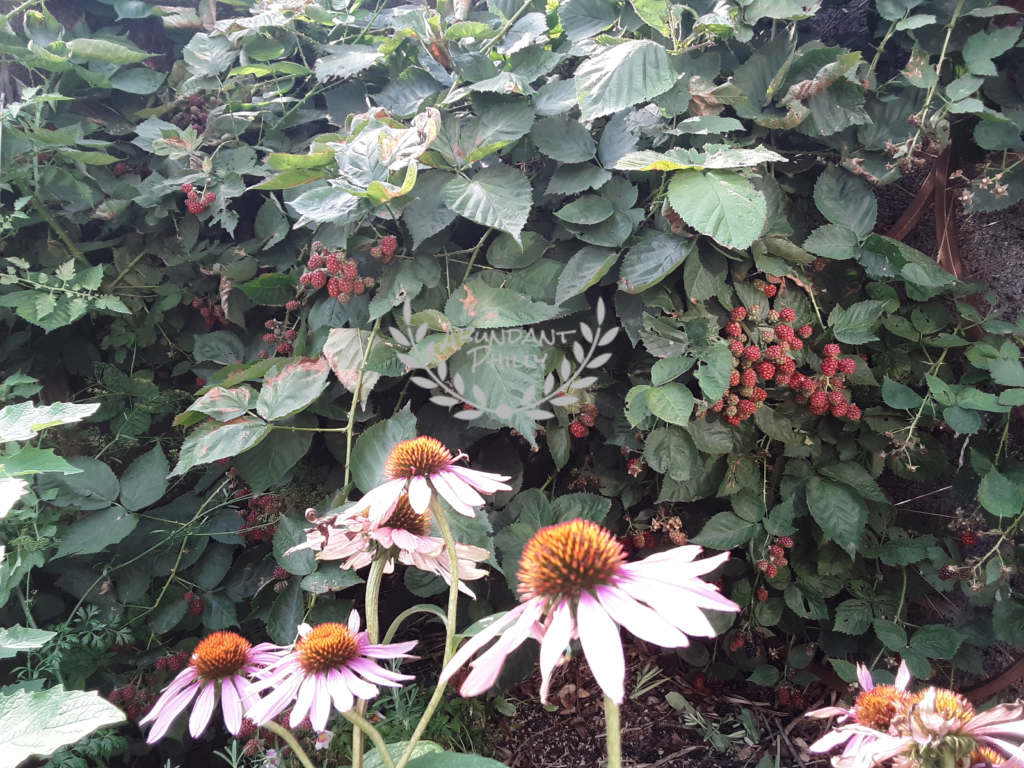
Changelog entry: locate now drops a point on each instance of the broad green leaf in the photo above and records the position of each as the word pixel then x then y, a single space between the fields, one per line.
pixel 506 253
pixel 330 577
pixel 720 204
pixel 478 305
pixel 145 481
pixel 266 464
pixel 344 351
pixel 407 93
pixel 725 531
pixel 961 420
pixel 656 13
pixel 285 162
pixel 211 442
pixel 652 260
pixel 427 214
pixel 453 760
pixel 714 372
pixel 24 420
pixel 587 209
pixel 496 127
pixel 982 47
pixel 96 531
pixel 555 97
pixel 345 60
pixel 208 56
pixel 219 347
pixel 31 460
pixel 891 633
pixel 585 268
pixel 38 724
pixel 295 177
pixel 853 325
pixel 999 495
pixel 585 18
pixel 332 204
pixel 671 402
pixel 670 451
pixel 223 404
pixel 286 613
pixel 94 487
pixel 472 29
pixel 833 242
pixel 840 512
pixel 290 533
pixel 936 641
pixel 573 178
pixel 16 639
pixel 846 201
pixel 106 50
pixel 853 617
pixel 627 73
pixel 139 80
pixel 290 388
pixel 498 196
pixel 900 396
pixel 373 446
pixel 564 139
pixel 855 476
pixel 218 611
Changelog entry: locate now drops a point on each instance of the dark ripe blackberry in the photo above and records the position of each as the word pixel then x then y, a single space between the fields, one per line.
pixel 758 636
pixel 752 649
pixel 717 686
pixel 1017 583
pixel 947 572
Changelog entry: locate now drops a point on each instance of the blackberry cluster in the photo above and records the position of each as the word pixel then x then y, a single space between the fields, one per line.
pixel 194 202
pixel 138 696
pixel 334 270
pixel 212 311
pixel 585 419
pixel 279 334
pixel 193 111
pixel 260 517
pixel 385 249
pixel 123 169
pixel 756 366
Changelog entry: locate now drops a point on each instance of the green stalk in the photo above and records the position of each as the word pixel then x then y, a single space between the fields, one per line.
pixel 613 731
pixel 362 725
pixel 373 581
pixel 291 741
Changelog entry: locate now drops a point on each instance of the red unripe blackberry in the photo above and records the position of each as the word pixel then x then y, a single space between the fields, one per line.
pixel 114 697
pixel 251 748
pixel 174 664
pixel 796 344
pixel 281 573
pixel 773 316
pixel 350 269
pixel 752 353
pixel 333 264
pixel 700 682
pixel 334 287
pixel 947 572
pixel 187 188
pixel 717 407
pixel 758 395
pixel 734 378
pixel 195 607
pixel 776 551
pixel 269 338
pixel 377 252
pixel 762 595
pixel 840 410
pixel 732 398
pixel 835 397
pixel 316 261
pixel 788 366
pixel 733 329
pixel 344 286
pixel 639 540
pixel 831 350
pixel 189 596
pixel 799 702
pixel 678 538
pixel 829 366
pixel 739 313
pixel 318 279
pixel 648 539
pixel 748 378
pixel 733 421
pixel 968 538
pixel 587 419
pixel 284 348
pixel 161 664
pixel 292 306
pixel 627 545
pixel 358 287
pixel 578 429
pixel 747 407
pixel 128 693
pixel 737 642
pixel 765 370
pixel 194 207
pixel 819 400
pixel 785 333
pixel 784 697
pixel 291 334
pixel 853 413
pixel 804 331
pixel 304 278
pixel 209 197
pixel 818 264
pixel 781 562
pixel 132 712
pixel 770 290
pixel 771 571
pixel 774 352
pixel 736 347
pixel 248 728
pixel 785 541
pixel 388 245
pixel 788 314
pixel 847 365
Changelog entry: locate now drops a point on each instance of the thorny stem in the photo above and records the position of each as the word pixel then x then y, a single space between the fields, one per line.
pixel 924 404
pixel 881 49
pixel 449 641
pixel 373 581
pixel 476 251
pixel 292 742
pixel 938 73
pixel 614 733
pixel 355 402
pixel 899 610
pixel 61 232
pixel 121 275
pixel 362 725
pixel 508 25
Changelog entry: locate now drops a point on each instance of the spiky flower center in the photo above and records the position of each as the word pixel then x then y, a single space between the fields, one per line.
pixel 986 756
pixel 952 707
pixel 408 519
pixel 419 456
pixel 877 708
pixel 326 647
pixel 568 558
pixel 220 655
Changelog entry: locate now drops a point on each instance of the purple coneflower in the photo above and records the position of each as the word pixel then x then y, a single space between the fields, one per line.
pixel 573 576
pixel 357 539
pixel 328 663
pixel 218 668
pixel 421 466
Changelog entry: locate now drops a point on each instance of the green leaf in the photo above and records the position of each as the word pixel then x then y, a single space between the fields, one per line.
pixel 24 420
pixel 13 640
pixel 846 201
pixel 373 446
pixel 286 614
pixel 290 388
pixel 982 47
pixel 395 749
pixel 30 460
pixel 671 402
pixel 506 253
pixel 329 204
pixel 853 617
pixel 588 209
pixel 585 18
pixel 961 420
pixel 219 347
pixel 855 476
pixel 652 260
pixel 936 641
pixel 453 760
pixel 670 451
pixel 345 61
pixel 626 73
pixel 766 674
pixel 427 214
pixel 1000 496
pixel 211 442
pixel 587 266
pixel 892 634
pixel 292 178
pixel 145 481
pixel 479 305
pixel 720 204
pixel 714 372
pixel 213 565
pixel 833 242
pixel 853 325
pixel 39 723
pixel 473 29
pixel 564 140
pixel 573 178
pixel 208 56
pixel 140 80
pixel 330 577
pixel 218 611
pixel 725 531
pixel 93 487
pixel 840 512
pixel 267 463
pixel 285 162
pixel 498 196
pixel 773 424
pixel 106 50
pixel 290 533
pixel 97 531
pixel 496 127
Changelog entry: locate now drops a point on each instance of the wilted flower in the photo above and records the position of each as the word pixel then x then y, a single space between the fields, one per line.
pixel 421 466
pixel 328 663
pixel 323 740
pixel 218 668
pixel 357 539
pixel 573 576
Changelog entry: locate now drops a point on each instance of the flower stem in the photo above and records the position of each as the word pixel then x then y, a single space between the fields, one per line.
pixel 362 725
pixel 449 641
pixel 292 742
pixel 373 634
pixel 350 427
pixel 614 733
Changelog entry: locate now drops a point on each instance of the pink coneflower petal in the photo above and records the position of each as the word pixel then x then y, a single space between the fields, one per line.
pixel 340 693
pixel 642 621
pixel 676 567
pixel 460 488
pixel 602 645
pixel 556 638
pixel 670 605
pixel 419 494
pixel 276 701
pixel 831 740
pixel 202 711
pixel 377 675
pixel 231 705
pixel 321 704
pixel 303 701
pixel 828 712
pixel 393 651
pixel 354 683
pixel 903 676
pixel 864 678
pixel 479 640
pixel 166 712
pixel 450 495
pixel 482 481
pixel 1013 750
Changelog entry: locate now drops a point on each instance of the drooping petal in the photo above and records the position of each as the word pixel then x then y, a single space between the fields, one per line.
pixel 356 684
pixel 392 651
pixel 556 638
pixel 187 677
pixel 903 676
pixel 340 693
pixel 486 668
pixel 202 711
pixel 602 646
pixel 478 641
pixel 828 712
pixel 231 705
pixel 321 709
pixel 864 678
pixel 275 702
pixel 378 675
pixel 451 495
pixel 353 622
pixel 466 493
pixel 419 494
pixel 487 482
pixel 303 701
pixel 831 740
pixel 642 621
pixel 672 606
pixel 166 711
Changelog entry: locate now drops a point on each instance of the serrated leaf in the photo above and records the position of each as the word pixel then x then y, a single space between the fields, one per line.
pixel 725 531
pixel 97 531
pixel 498 196
pixel 652 260
pixel 211 442
pixel 999 495
pixel 853 617
pixel 145 481
pixel 720 204
pixel 840 512
pixel 564 139
pixel 853 325
pixel 671 451
pixel 584 269
pixel 846 201
pixel 627 73
pixel 588 209
pixel 289 388
pixel 671 402
pixel 585 18
pixel 373 446
pixel 936 641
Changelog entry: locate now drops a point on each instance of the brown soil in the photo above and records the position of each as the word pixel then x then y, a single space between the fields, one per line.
pixel 992 247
